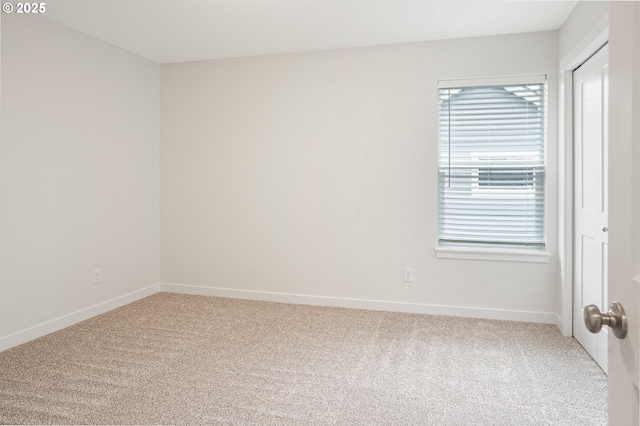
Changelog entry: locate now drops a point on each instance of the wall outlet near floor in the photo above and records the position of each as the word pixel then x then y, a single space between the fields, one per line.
pixel 97 276
pixel 408 275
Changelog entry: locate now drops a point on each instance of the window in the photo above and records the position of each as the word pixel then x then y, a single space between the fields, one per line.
pixel 491 163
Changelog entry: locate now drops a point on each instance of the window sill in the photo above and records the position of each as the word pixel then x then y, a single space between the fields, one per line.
pixel 492 254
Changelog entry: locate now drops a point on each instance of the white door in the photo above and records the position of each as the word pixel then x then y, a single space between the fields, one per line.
pixel 623 266
pixel 624 206
pixel 590 88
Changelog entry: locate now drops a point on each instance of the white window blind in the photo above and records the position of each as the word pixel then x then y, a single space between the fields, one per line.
pixel 492 164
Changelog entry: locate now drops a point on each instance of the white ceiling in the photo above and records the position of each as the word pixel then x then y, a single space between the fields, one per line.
pixel 188 30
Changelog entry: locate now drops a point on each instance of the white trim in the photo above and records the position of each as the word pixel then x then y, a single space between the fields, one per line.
pixel 493 81
pixel 59 323
pixel 565 201
pixel 492 254
pixel 376 305
pixel 590 44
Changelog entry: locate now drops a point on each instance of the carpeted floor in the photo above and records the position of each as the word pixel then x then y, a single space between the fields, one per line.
pixel 180 359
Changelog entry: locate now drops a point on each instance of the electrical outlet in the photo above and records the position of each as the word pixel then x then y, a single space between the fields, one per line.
pixel 408 275
pixel 97 276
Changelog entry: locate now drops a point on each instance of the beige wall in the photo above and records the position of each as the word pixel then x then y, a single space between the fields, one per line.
pixel 581 35
pixel 586 17
pixel 78 173
pixel 315 174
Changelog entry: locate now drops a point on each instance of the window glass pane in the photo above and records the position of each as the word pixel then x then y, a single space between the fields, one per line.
pixel 492 165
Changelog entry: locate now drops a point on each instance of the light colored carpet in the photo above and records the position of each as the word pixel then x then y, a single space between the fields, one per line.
pixel 180 359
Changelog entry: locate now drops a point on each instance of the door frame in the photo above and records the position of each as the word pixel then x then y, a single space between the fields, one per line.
pixel 593 72
pixel 587 47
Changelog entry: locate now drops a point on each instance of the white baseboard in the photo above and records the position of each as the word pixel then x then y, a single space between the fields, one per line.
pixel 376 305
pixel 561 326
pixel 43 329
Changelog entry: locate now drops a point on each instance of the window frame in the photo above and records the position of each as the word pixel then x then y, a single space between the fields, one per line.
pixel 489 251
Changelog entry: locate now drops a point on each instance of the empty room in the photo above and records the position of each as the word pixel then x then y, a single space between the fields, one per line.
pixel 320 212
